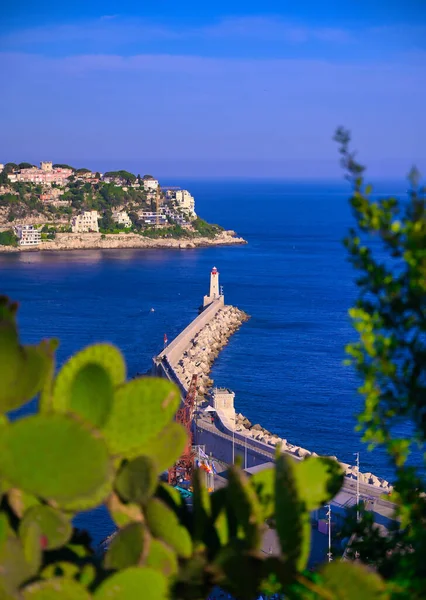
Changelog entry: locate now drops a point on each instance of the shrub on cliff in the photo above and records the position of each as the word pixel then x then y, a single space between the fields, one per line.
pixel 8 238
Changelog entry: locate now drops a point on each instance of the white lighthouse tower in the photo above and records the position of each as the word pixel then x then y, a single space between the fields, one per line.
pixel 214 288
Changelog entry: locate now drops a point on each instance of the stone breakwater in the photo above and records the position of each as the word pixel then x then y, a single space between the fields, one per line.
pixel 91 241
pixel 259 433
pixel 204 348
pixel 197 359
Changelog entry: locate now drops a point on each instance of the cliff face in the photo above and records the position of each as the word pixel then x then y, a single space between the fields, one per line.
pixel 87 241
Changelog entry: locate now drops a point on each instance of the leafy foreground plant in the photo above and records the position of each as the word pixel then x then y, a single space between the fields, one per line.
pixel 99 440
pixel 388 247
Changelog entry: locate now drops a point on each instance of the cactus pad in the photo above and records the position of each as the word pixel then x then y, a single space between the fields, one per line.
pixel 127 547
pixel 161 558
pixel 19 501
pixel 137 480
pixel 54 526
pixel 123 514
pixel 133 583
pixel 57 458
pixel 104 356
pixel 166 447
pixel 59 588
pixel 142 408
pixel 91 394
pixel 163 523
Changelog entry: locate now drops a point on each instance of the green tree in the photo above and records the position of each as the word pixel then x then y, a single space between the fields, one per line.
pixel 8 238
pixel 10 167
pixel 25 165
pixel 388 248
pixel 62 166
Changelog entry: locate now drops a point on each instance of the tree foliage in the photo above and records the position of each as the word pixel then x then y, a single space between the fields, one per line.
pixel 8 238
pixel 387 247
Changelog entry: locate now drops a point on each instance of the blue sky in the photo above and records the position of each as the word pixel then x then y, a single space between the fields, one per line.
pixel 215 89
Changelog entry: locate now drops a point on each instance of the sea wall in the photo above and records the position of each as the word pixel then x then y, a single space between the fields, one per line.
pixel 193 352
pixel 204 347
pixel 88 241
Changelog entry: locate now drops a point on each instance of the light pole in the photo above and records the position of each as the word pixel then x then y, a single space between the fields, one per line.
pixel 245 451
pixel 329 532
pixel 357 485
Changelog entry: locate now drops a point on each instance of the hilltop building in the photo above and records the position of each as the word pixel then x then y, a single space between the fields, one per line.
pixel 86 222
pixel 186 202
pixel 28 235
pixel 150 218
pixel 149 183
pixel 46 175
pixel 122 218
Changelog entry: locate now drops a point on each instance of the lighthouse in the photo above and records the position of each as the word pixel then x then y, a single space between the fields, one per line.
pixel 214 288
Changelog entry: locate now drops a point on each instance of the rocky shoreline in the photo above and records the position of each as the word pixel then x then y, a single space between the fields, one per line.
pixel 206 346
pixel 92 241
pixel 198 359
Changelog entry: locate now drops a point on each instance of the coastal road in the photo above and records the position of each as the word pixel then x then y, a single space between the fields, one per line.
pixel 371 495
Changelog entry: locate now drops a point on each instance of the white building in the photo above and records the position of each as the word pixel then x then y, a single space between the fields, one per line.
pixel 28 235
pixel 86 222
pixel 214 288
pixel 151 218
pixel 186 202
pixel 1 167
pixel 122 218
pixel 150 184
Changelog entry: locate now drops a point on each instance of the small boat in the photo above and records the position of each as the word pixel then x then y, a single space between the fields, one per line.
pixel 152 310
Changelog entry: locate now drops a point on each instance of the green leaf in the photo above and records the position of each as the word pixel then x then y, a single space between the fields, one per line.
pixel 32 542
pixel 166 447
pixel 263 482
pixel 247 510
pixel 351 581
pixel 23 369
pixel 238 572
pixel 134 583
pixel 57 458
pixel 163 523
pixel 20 501
pixel 14 568
pixel 61 568
pixel 319 479
pixel 104 356
pixel 141 409
pixel 92 394
pixel 162 558
pixel 123 514
pixel 292 522
pixel 59 588
pixel 137 480
pixel 54 526
pixel 127 547
pixel 202 509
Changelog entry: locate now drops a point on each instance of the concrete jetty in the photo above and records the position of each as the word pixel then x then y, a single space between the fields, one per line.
pixel 193 352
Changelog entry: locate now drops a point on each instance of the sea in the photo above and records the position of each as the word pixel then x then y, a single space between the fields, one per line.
pixel 293 278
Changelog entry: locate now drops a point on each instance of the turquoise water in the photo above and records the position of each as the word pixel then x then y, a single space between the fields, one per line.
pixel 285 364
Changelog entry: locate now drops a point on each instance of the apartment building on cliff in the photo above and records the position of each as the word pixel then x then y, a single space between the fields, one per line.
pixel 86 222
pixel 28 235
pixel 122 218
pixel 186 203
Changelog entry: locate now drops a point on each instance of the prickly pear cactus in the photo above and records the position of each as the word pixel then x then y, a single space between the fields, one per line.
pixel 98 439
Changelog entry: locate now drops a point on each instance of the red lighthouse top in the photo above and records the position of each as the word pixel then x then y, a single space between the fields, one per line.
pixel 214 271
